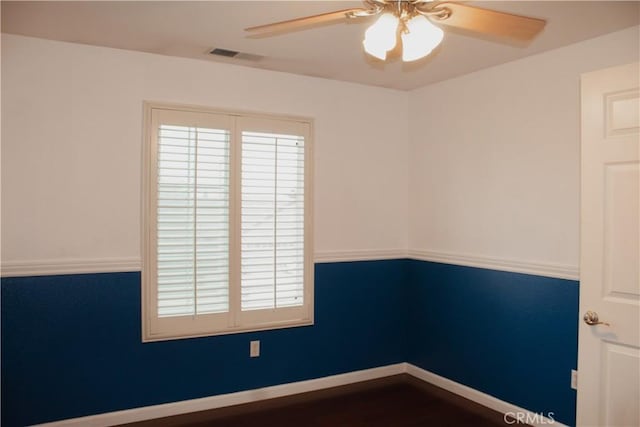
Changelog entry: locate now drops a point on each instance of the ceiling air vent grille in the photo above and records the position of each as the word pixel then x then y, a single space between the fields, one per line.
pixel 235 54
pixel 224 52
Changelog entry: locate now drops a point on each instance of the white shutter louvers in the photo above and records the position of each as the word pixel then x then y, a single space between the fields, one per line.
pixel 272 220
pixel 226 223
pixel 192 221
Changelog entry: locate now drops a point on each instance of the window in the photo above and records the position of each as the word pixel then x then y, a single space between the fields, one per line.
pixel 227 243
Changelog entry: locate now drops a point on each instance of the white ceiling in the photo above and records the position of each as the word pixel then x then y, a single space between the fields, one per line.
pixel 191 29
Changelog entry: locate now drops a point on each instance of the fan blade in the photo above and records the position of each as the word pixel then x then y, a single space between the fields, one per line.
pixel 294 24
pixel 490 22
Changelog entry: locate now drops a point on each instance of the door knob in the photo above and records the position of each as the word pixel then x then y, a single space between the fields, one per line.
pixel 591 319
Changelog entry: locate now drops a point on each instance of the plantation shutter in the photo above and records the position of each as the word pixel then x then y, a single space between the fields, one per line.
pixel 272 225
pixel 227 243
pixel 193 220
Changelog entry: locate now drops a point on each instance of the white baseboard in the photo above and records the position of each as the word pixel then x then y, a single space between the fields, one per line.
pixel 480 397
pixel 224 400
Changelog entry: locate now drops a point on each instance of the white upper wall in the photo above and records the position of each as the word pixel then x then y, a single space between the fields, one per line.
pixel 495 158
pixel 72 135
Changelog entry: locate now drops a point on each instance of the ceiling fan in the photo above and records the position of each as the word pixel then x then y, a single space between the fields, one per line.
pixel 414 21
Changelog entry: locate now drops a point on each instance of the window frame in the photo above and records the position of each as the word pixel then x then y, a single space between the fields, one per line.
pixel 235 320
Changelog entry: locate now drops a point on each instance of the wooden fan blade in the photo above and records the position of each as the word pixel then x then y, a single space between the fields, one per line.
pixel 490 22
pixel 294 24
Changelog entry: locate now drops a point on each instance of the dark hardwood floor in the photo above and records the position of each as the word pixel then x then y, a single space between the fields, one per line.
pixel 398 401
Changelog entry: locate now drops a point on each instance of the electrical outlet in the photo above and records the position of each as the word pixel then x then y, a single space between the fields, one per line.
pixel 254 349
pixel 574 379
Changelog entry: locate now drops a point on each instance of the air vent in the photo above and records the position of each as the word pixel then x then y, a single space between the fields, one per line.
pixel 235 54
pixel 224 52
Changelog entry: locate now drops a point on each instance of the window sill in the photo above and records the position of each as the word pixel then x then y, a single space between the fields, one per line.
pixel 147 337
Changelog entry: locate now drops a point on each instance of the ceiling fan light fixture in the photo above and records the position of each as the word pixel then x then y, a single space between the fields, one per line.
pixel 414 20
pixel 381 36
pixel 420 38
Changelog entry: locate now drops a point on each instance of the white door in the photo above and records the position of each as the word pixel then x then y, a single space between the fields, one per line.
pixel 609 352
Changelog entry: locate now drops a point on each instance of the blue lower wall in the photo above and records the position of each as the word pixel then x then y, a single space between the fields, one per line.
pixel 71 345
pixel 513 336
